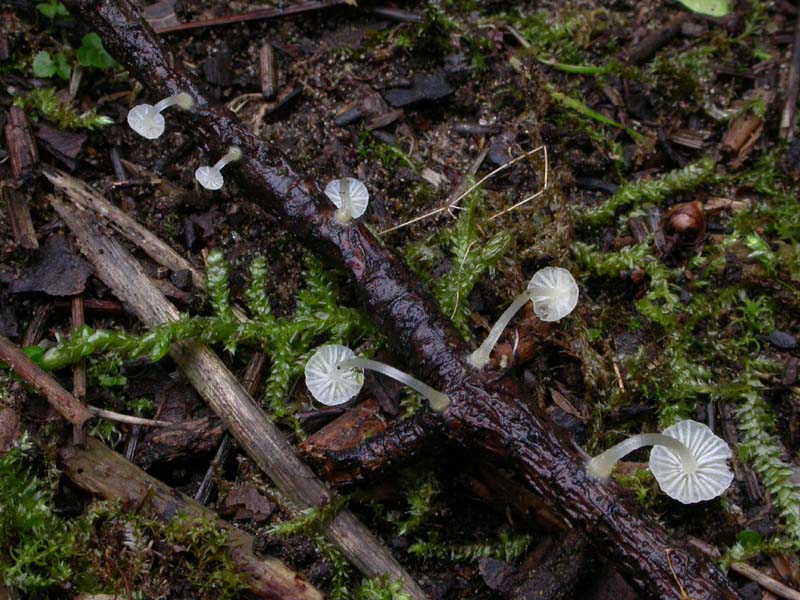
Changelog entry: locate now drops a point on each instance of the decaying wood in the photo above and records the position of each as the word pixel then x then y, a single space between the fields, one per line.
pixel 792 87
pixel 741 137
pixel 78 319
pixel 558 576
pixel 123 224
pixel 268 71
pixel 20 216
pixel 256 434
pixel 64 402
pixel 251 379
pixel 651 43
pixel 106 473
pixel 21 146
pixel 489 413
pixel 36 327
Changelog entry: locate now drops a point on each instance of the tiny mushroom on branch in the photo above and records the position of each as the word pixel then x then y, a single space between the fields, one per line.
pixel 554 294
pixel 334 375
pixel 211 177
pixel 689 462
pixel 147 120
pixel 350 196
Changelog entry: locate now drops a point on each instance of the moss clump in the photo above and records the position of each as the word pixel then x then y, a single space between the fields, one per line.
pixel 45 102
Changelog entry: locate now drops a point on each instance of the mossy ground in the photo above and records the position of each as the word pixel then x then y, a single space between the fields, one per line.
pixel 684 328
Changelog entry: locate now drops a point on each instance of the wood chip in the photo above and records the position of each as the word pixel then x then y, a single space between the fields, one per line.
pixel 268 71
pixel 20 143
pixel 20 217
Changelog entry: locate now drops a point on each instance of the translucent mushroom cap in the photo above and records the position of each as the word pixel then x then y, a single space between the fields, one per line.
pixel 327 383
pixel 209 177
pixel 145 120
pixel 711 475
pixel 359 196
pixel 554 293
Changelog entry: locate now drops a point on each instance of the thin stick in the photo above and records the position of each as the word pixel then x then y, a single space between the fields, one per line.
pixel 130 419
pixel 792 87
pixel 64 402
pixel 454 204
pixel 79 369
pixel 765 581
pixel 255 15
pixel 529 198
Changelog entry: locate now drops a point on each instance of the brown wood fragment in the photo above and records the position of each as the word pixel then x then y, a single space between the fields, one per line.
pixel 268 71
pixel 103 472
pixel 741 136
pixel 792 88
pixel 242 416
pixel 177 440
pixel 65 146
pixel 35 330
pixel 78 319
pixel 651 43
pixel 21 146
pixel 20 216
pixel 64 402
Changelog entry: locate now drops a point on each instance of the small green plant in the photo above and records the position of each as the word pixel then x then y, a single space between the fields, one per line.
pixel 311 520
pixel 45 65
pixel 380 589
pixel 52 9
pixel 45 102
pixel 92 54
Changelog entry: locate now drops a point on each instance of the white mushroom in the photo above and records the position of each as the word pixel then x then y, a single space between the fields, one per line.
pixel 334 376
pixel 147 120
pixel 350 196
pixel 554 294
pixel 689 462
pixel 211 177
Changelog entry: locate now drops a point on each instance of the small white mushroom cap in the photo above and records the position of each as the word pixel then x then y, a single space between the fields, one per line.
pixel 359 195
pixel 327 383
pixel 711 475
pixel 209 177
pixel 145 120
pixel 554 293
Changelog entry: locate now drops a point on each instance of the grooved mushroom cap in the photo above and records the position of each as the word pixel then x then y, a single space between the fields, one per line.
pixel 209 177
pixel 554 293
pixel 712 475
pixel 359 196
pixel 328 384
pixel 145 120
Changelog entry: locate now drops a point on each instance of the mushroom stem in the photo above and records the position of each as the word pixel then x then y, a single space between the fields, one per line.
pixel 480 357
pixel 438 400
pixel 345 212
pixel 230 156
pixel 183 100
pixel 602 465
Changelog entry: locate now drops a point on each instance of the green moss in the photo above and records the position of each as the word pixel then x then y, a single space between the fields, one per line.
pixel 508 546
pixel 45 102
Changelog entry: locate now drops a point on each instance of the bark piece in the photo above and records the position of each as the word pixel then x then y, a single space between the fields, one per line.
pixel 560 573
pixel 64 146
pixel 9 427
pixel 72 410
pixel 188 438
pixel 245 502
pixel 58 272
pixel 424 88
pixel 488 413
pixel 242 416
pixel 268 71
pixel 20 216
pixel 21 146
pixel 106 473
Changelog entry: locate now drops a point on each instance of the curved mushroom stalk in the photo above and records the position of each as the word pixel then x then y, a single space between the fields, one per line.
pixel 211 177
pixel 334 375
pixel 554 294
pixel 689 462
pixel 147 120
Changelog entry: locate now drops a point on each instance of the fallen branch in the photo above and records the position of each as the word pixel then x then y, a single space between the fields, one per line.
pixel 59 398
pixel 489 413
pixel 245 420
pixel 90 467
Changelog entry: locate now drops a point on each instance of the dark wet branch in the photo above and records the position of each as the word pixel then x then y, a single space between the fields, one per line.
pixel 487 414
